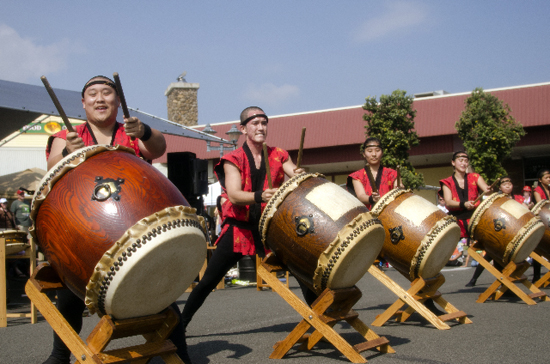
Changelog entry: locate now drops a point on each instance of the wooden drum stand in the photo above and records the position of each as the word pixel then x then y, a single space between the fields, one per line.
pixel 421 290
pixel 506 279
pixel 545 279
pixel 155 328
pixel 322 319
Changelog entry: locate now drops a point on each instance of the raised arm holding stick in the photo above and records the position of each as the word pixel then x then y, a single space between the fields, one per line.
pixel 57 104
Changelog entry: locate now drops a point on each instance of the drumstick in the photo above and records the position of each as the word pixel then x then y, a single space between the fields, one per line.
pixel 267 169
pixel 371 179
pixel 57 104
pixel 484 193
pixel 301 150
pixel 122 98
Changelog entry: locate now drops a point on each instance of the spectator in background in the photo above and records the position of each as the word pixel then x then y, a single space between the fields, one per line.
pixel 527 198
pixel 21 210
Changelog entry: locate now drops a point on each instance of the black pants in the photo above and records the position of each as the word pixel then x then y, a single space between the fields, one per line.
pixel 223 259
pixel 72 308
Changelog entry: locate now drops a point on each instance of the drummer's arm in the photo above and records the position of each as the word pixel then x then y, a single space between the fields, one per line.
pixel 290 168
pixel 154 146
pixel 234 191
pixel 448 196
pixel 360 192
pixel 73 142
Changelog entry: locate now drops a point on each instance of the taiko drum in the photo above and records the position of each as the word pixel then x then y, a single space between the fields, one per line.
pixel 420 238
pixel 542 210
pixel 117 232
pixel 324 235
pixel 507 229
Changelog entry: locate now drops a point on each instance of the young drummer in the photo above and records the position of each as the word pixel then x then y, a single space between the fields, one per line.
pixel 385 178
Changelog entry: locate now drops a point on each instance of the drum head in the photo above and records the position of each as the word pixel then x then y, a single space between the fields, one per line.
pixel 156 275
pixel 150 266
pixel 440 245
pixel 356 257
pixel 527 240
pixel 14 240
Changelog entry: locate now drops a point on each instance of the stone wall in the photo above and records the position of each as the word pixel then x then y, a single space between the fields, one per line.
pixel 182 103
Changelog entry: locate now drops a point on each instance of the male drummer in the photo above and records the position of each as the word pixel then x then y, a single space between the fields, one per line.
pixel 242 175
pixel 100 102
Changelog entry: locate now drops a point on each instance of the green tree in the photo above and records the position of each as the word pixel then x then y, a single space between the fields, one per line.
pixel 392 121
pixel 489 132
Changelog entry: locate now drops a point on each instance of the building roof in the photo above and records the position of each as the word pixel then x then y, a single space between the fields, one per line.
pixel 436 116
pixel 20 104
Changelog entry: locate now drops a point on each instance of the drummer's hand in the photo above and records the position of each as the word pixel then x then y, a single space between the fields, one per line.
pixel 133 127
pixel 267 194
pixel 299 170
pixel 375 197
pixel 469 205
pixel 74 142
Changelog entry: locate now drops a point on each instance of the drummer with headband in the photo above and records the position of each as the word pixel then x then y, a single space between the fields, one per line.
pixel 461 190
pixel 385 179
pixel 242 175
pixel 100 102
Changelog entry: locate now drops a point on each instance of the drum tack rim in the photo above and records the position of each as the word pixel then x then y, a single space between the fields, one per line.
pixel 144 231
pixel 282 192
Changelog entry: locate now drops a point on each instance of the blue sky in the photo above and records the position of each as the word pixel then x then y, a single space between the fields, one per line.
pixel 286 56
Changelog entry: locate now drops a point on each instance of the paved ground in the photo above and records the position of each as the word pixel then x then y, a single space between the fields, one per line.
pixel 240 324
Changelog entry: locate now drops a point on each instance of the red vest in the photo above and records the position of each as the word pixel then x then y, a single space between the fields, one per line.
pixel 473 191
pixel 386 184
pixel 243 241
pixel 120 138
pixel 540 190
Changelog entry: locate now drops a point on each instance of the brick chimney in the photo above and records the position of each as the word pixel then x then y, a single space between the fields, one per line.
pixel 182 102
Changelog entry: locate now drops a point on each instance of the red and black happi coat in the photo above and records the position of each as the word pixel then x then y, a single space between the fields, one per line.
pixel 385 179
pixel 244 219
pixel 469 193
pixel 84 132
pixel 541 192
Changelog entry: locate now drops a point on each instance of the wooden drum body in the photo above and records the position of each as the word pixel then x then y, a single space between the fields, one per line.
pixel 118 233
pixel 420 238
pixel 542 210
pixel 14 240
pixel 324 235
pixel 507 229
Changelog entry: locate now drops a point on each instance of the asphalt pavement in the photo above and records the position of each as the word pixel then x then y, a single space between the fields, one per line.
pixel 241 324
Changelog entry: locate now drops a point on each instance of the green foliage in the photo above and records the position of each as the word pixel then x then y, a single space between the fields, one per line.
pixel 488 132
pixel 392 121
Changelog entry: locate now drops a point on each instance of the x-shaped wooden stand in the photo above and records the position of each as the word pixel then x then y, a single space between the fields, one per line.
pixel 420 291
pixel 544 281
pixel 155 328
pixel 506 279
pixel 322 319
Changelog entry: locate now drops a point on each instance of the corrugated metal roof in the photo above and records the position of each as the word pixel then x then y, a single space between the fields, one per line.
pixel 436 116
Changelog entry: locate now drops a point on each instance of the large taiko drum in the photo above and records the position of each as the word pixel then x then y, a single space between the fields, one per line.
pixel 118 233
pixel 542 210
pixel 15 241
pixel 324 235
pixel 507 229
pixel 420 238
